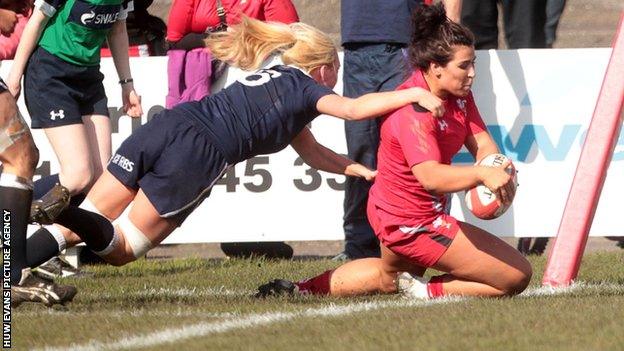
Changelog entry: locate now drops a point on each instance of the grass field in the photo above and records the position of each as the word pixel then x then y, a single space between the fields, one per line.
pixel 196 304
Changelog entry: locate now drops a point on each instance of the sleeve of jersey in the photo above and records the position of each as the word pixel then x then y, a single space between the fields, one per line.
pixel 475 122
pixel 280 11
pixel 416 134
pixel 126 7
pixel 314 92
pixel 49 7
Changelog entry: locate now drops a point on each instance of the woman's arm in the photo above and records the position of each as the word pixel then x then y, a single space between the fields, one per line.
pixel 438 178
pixel 28 42
pixel 118 44
pixel 378 104
pixel 481 145
pixel 319 157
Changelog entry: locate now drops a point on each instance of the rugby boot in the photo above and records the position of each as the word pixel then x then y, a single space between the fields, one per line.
pixel 57 267
pixel 32 288
pixel 49 206
pixel 276 287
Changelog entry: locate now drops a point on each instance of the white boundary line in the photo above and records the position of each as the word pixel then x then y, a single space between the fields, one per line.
pixel 172 335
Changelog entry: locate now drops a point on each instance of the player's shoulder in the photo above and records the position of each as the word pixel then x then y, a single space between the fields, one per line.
pixel 411 112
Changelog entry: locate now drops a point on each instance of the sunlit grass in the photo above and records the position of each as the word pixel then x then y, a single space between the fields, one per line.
pixel 149 296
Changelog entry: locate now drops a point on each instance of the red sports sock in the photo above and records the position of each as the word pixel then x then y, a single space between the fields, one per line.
pixel 434 287
pixel 318 285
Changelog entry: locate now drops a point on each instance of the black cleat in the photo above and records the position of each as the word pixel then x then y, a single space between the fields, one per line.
pixel 57 267
pixel 276 287
pixel 46 209
pixel 35 289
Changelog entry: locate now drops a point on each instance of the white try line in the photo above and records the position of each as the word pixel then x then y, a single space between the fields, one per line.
pixel 173 335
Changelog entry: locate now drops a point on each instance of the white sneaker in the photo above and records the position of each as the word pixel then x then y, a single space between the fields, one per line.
pixel 412 286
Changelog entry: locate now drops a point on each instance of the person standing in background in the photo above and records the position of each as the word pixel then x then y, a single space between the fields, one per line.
pixel 524 22
pixel 525 26
pixel 554 10
pixel 374 36
pixel 190 22
pixel 19 157
pixel 60 50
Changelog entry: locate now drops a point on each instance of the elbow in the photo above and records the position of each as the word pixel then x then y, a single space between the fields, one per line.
pixel 352 112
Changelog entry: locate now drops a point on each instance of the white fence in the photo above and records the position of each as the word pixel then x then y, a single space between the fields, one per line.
pixel 536 103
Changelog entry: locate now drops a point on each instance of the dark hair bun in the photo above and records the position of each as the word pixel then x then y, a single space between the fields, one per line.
pixel 427 21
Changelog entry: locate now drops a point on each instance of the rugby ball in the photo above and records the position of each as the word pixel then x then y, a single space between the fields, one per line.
pixel 482 202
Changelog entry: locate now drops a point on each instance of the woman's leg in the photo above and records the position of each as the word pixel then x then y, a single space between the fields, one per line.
pixel 98 129
pixel 140 231
pixel 362 276
pixel 96 132
pixel 71 146
pixel 480 264
pixel 110 196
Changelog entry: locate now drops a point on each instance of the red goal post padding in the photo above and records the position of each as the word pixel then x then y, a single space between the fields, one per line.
pixel 565 258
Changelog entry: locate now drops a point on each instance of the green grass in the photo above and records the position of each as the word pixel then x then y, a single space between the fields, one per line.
pixel 152 296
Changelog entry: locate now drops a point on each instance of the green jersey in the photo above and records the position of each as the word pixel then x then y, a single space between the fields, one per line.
pixel 77 28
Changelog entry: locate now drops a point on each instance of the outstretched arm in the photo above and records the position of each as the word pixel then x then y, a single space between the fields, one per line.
pixel 319 157
pixel 378 104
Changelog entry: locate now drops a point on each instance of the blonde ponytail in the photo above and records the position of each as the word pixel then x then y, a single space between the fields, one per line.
pixel 247 44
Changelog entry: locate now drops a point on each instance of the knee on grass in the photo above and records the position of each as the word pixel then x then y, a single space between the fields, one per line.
pixel 514 282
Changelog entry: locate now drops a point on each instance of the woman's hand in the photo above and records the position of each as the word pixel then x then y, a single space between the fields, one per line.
pixel 15 86
pixel 429 101
pixel 358 170
pixel 499 181
pixel 131 101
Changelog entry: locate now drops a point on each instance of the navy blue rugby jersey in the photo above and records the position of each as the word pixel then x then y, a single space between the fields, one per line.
pixel 259 114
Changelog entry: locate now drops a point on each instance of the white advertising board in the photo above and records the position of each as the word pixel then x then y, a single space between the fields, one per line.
pixel 536 103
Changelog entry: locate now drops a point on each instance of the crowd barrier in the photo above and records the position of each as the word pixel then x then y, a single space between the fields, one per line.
pixel 537 105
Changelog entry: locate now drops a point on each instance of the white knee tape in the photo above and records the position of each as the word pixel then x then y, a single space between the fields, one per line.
pixel 7 138
pixel 139 243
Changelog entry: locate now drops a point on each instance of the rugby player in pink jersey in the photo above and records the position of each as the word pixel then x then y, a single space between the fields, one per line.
pixel 408 204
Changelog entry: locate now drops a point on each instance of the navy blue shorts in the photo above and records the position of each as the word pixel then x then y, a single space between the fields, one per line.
pixel 3 86
pixel 174 162
pixel 58 93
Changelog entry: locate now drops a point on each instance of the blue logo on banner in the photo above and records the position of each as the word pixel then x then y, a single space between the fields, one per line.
pixel 552 148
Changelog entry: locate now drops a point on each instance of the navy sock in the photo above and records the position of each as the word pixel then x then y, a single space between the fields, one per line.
pixel 15 204
pixel 40 247
pixel 95 230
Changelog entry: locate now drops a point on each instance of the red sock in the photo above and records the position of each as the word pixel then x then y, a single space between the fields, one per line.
pixel 318 285
pixel 434 287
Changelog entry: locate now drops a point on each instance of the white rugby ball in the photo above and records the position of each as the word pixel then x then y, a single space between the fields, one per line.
pixel 482 202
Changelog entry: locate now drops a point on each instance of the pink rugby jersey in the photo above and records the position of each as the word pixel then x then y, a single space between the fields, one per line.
pixel 409 136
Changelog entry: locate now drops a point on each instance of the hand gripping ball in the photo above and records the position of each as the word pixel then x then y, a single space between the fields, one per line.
pixel 482 202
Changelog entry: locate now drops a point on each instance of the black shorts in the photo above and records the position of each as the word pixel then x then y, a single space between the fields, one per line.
pixel 174 162
pixel 58 93
pixel 3 86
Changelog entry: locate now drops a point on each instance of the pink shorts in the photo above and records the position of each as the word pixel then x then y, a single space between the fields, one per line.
pixel 423 244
